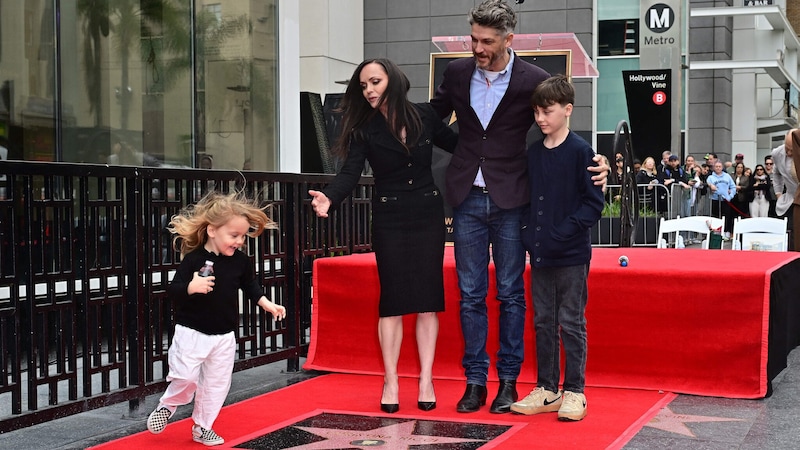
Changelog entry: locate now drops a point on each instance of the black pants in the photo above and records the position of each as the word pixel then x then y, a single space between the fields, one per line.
pixel 790 221
pixel 771 212
pixel 722 209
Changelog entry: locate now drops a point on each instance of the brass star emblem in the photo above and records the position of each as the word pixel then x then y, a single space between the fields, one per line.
pixel 667 420
pixel 398 436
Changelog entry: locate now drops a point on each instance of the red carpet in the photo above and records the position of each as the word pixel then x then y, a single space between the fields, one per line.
pixel 687 321
pixel 615 415
pixel 648 333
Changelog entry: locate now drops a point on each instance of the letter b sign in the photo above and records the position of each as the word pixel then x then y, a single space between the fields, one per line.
pixel 659 98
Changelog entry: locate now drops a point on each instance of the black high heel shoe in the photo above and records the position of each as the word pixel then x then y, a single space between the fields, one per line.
pixel 390 408
pixel 426 406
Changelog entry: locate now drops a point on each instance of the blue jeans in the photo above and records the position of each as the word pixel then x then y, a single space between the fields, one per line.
pixel 559 299
pixel 478 222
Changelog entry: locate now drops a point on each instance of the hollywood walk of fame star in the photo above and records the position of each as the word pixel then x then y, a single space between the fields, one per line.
pixel 394 437
pixel 667 420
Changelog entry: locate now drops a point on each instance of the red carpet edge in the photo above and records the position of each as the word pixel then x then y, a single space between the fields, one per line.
pixel 614 415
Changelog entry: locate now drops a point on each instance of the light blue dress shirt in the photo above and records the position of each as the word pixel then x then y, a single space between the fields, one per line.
pixel 484 96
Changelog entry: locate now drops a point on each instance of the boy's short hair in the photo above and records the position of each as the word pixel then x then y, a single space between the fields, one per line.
pixel 556 89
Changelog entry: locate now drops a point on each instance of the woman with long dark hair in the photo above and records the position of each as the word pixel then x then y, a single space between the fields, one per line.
pixel 740 201
pixel 759 194
pixel 408 232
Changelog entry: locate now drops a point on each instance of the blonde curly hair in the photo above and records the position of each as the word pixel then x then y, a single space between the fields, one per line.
pixel 190 225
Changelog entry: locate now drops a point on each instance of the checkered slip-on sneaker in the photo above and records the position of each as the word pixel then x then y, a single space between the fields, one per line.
pixel 157 420
pixel 206 436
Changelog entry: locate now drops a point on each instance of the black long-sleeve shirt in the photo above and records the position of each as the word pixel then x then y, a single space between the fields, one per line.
pixel 395 169
pixel 218 311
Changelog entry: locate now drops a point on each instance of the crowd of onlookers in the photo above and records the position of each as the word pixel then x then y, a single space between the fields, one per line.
pixel 671 187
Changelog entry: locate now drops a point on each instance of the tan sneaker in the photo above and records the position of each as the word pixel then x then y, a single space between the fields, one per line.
pixel 573 408
pixel 540 400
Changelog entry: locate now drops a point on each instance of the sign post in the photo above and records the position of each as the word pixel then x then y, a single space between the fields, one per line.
pixel 660 48
pixel 647 93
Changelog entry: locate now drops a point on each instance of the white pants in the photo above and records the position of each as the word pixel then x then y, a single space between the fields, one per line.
pixel 759 207
pixel 200 365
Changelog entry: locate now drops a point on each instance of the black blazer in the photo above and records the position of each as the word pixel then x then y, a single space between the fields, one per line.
pixel 500 150
pixel 394 169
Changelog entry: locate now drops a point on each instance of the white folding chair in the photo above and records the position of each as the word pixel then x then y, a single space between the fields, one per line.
pixel 760 233
pixel 713 223
pixel 677 225
pixel 710 221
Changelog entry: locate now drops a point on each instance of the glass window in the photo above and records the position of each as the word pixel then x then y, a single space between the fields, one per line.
pixel 617 9
pixel 126 81
pixel 138 82
pixel 237 71
pixel 611 105
pixel 27 81
pixel 215 9
pixel 618 37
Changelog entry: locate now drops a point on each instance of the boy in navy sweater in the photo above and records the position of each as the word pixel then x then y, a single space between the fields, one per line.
pixel 565 204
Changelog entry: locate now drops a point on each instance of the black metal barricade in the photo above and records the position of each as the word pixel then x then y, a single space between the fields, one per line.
pixel 85 260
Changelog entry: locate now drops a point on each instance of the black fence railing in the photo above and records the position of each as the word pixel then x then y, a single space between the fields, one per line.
pixel 652 203
pixel 84 265
pixel 608 231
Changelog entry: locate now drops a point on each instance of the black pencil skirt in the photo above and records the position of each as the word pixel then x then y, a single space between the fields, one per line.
pixel 408 234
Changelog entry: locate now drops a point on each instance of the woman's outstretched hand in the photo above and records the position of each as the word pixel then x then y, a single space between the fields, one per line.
pixel 321 203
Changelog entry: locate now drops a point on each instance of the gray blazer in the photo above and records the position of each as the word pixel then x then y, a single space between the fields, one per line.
pixel 783 175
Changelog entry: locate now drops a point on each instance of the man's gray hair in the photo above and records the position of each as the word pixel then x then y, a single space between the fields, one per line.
pixel 495 14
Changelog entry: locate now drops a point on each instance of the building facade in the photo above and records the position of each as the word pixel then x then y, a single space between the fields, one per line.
pixel 180 82
pixel 141 82
pixel 738 62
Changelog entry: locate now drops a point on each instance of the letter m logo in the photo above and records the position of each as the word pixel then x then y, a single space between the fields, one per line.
pixel 659 18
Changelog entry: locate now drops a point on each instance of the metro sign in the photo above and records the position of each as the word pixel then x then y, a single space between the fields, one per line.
pixel 659 18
